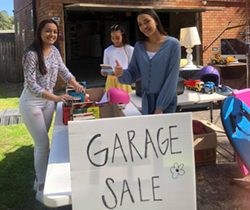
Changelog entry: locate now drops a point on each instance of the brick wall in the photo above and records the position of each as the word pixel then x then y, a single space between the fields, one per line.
pixel 46 9
pixel 22 12
pixel 213 23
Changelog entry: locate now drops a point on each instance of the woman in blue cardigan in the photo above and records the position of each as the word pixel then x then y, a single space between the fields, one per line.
pixel 156 59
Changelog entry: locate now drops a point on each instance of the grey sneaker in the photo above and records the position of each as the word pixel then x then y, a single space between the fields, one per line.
pixel 229 88
pixel 224 90
pixel 39 196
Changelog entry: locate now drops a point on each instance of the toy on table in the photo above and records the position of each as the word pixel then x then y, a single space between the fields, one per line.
pixel 195 85
pixel 209 87
pixel 217 59
pixel 200 86
pixel 230 59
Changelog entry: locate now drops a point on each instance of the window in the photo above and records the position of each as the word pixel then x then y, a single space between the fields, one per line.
pixel 31 21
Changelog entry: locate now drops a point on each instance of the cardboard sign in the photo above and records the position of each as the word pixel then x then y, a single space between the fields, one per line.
pixel 142 162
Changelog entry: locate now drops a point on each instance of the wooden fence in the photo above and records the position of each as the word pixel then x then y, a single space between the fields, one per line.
pixel 11 61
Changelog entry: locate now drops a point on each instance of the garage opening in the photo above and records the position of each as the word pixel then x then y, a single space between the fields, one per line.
pixel 88 34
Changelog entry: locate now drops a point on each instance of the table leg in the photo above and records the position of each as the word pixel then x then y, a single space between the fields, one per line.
pixel 211 111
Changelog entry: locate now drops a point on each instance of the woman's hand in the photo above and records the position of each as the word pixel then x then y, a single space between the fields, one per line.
pixel 79 88
pixel 118 69
pixel 63 98
pixel 158 111
pixel 103 74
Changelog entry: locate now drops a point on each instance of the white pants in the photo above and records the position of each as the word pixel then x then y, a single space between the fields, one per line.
pixel 37 114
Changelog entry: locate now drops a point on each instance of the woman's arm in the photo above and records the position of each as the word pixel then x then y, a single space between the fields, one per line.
pixel 169 88
pixel 30 63
pixel 52 97
pixel 78 88
pixel 131 74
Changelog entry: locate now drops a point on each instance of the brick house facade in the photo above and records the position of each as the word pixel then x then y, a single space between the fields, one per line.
pixel 211 17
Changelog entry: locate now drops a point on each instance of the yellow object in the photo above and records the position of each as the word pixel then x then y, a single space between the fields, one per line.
pixel 229 59
pixel 217 59
pixel 198 86
pixel 112 82
pixel 183 62
pixel 95 111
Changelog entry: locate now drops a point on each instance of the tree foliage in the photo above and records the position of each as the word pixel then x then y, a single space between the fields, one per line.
pixel 6 22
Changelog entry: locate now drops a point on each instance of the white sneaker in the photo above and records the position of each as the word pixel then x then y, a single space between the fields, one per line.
pixel 36 185
pixel 39 196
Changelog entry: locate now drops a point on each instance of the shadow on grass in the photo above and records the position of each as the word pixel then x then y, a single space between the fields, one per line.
pixel 10 90
pixel 16 182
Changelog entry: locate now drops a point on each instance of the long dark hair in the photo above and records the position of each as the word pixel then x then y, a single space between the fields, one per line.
pixel 154 15
pixel 118 27
pixel 37 45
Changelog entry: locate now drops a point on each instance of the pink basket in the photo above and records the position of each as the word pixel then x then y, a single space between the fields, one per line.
pixel 243 95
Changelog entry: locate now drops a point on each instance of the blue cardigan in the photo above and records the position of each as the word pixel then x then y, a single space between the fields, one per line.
pixel 159 76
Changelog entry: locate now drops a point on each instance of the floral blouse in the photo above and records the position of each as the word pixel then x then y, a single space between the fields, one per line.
pixel 37 83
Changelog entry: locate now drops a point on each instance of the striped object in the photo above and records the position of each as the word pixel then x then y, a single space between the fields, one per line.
pixel 10 117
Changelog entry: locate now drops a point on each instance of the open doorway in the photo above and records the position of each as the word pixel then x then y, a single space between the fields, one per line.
pixel 88 34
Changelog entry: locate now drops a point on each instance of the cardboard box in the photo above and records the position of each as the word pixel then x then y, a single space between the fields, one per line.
pixel 205 157
pixel 205 144
pixel 110 110
pixel 105 111
pixel 95 94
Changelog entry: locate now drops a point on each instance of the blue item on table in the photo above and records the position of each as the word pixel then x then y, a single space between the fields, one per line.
pixel 107 69
pixel 83 84
pixel 74 94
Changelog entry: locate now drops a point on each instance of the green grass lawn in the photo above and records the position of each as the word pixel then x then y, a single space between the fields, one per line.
pixel 16 164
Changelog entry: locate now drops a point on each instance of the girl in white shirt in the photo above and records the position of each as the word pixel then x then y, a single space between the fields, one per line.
pixel 42 63
pixel 120 50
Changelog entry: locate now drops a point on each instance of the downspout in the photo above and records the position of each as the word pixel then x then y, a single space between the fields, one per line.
pixel 34 16
pixel 198 49
pixel 247 43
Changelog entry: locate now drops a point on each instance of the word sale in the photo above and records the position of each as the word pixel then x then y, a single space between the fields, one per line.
pixel 127 193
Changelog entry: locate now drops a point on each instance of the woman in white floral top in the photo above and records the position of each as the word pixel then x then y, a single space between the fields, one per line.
pixel 42 63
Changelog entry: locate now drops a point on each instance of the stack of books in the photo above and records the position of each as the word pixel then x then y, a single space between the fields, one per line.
pixel 84 111
pixel 83 116
pixel 70 102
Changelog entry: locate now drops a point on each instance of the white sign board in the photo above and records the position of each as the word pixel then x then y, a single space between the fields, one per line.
pixel 142 162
